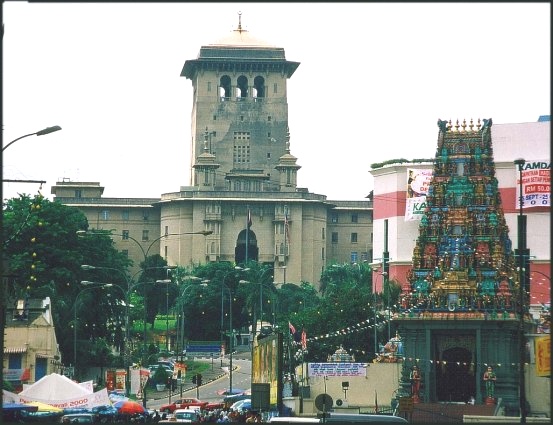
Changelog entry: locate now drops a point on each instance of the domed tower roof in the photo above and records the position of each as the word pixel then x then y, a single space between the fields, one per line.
pixel 236 49
pixel 241 37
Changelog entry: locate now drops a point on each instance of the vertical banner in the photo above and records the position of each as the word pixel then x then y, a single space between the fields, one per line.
pixel 543 356
pixel 120 376
pixel 536 184
pixel 418 182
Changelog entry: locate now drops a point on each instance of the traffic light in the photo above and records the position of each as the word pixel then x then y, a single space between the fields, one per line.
pixel 194 380
pixel 199 379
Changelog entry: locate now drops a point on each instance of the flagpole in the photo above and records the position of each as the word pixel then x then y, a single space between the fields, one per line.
pixel 247 234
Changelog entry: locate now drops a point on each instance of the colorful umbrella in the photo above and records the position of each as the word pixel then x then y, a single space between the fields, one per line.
pixel 129 407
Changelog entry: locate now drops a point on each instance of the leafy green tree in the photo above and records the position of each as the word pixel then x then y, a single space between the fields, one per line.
pixel 43 254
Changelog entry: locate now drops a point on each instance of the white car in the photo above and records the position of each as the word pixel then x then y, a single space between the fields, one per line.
pixel 239 405
pixel 186 415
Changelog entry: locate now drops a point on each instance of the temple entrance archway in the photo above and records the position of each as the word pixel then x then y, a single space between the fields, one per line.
pixel 455 380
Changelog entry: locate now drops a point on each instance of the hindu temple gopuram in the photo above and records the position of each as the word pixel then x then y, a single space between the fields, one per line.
pixel 460 308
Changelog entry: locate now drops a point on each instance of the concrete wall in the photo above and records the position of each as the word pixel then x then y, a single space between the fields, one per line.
pixel 380 383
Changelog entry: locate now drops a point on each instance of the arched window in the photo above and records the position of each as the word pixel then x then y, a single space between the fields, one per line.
pixel 259 86
pixel 224 87
pixel 242 87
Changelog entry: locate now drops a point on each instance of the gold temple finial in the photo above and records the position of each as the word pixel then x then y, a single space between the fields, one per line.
pixel 478 125
pixel 457 126
pixel 471 125
pixel 464 125
pixel 240 21
pixel 449 125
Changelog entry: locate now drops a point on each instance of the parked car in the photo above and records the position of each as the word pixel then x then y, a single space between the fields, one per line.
pixel 242 405
pixel 213 405
pixel 230 399
pixel 79 418
pixel 186 415
pixel 182 403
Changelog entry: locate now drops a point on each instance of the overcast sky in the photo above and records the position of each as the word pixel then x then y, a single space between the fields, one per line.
pixel 372 82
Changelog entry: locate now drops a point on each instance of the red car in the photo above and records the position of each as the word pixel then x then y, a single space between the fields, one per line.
pixel 183 403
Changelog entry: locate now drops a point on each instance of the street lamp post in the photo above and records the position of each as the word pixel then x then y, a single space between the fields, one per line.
pixel 42 132
pixel 236 269
pixel 93 286
pixel 231 337
pixel 523 255
pixel 260 283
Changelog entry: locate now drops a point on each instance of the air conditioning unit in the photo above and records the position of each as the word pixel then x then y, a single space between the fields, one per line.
pixel 340 403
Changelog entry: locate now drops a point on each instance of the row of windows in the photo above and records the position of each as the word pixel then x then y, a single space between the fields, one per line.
pixel 125 215
pixel 354 218
pixel 125 235
pixel 353 237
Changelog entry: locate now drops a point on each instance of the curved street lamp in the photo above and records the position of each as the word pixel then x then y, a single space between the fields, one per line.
pixel 47 130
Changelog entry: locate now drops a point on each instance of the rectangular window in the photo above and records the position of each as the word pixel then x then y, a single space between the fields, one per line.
pixel 354 238
pixel 323 253
pixel 275 88
pixel 145 235
pixel 334 237
pixel 269 118
pixel 125 252
pixel 354 257
pixel 125 235
pixel 145 214
pixel 15 361
pixel 125 215
pixel 209 86
pixel 334 218
pixel 323 233
pixel 105 215
pixel 78 193
pixel 241 148
pixel 166 230
pixel 354 218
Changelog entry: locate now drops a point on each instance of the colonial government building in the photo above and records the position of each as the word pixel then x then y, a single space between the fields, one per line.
pixel 242 171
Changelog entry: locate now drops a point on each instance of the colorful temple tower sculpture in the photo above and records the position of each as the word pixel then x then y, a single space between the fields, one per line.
pixel 459 310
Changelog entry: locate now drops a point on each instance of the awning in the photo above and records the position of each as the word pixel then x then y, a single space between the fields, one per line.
pixel 15 350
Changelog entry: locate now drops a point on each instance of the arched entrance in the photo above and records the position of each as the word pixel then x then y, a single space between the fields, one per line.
pixel 455 381
pixel 240 250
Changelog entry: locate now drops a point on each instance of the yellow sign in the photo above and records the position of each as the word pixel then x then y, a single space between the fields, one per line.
pixel 543 356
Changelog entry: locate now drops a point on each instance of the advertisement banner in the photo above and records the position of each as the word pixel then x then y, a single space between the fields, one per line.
pixel 99 398
pixel 543 356
pixel 337 369
pixel 139 377
pixel 418 182
pixel 536 184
